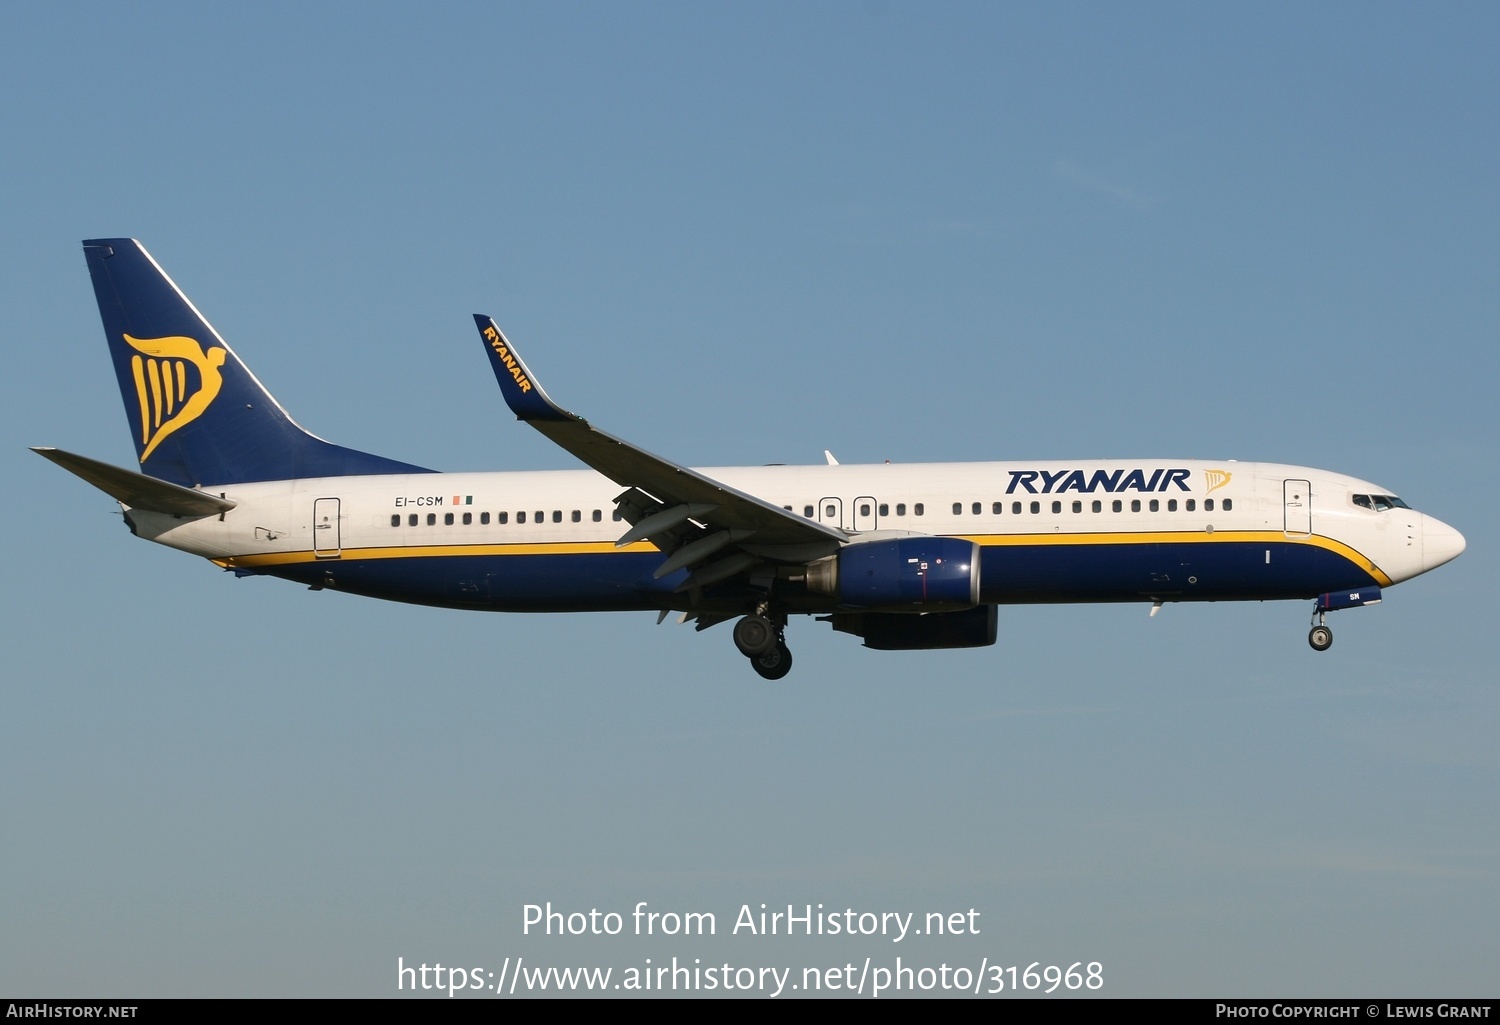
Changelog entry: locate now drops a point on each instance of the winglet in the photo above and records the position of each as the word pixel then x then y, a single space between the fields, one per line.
pixel 523 394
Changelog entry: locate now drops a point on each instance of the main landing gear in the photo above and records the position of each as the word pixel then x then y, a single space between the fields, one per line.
pixel 1320 637
pixel 763 642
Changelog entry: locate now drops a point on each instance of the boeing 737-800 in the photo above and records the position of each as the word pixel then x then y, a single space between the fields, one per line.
pixel 902 556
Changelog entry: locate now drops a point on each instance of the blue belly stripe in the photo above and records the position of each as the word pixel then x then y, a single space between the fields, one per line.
pixel 1010 574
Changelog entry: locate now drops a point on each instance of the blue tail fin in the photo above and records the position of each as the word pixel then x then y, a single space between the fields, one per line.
pixel 196 412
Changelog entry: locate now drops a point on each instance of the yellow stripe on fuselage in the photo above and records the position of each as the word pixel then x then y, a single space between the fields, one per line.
pixel 983 540
pixel 435 551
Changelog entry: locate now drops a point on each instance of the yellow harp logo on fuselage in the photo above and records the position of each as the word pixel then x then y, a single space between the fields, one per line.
pixel 167 395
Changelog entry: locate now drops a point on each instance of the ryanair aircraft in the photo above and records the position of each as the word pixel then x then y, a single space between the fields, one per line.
pixel 902 556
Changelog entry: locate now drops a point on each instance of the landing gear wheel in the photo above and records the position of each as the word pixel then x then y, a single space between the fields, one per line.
pixel 1320 637
pixel 774 664
pixel 755 636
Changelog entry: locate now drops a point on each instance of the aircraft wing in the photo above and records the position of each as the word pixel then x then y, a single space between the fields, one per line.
pixel 675 497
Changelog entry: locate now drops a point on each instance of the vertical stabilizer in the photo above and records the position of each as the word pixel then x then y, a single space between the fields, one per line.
pixel 196 413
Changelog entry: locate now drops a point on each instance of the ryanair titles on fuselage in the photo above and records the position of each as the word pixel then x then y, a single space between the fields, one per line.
pixel 1055 482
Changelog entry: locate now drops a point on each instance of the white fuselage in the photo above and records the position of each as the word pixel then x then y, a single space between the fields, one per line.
pixel 1166 530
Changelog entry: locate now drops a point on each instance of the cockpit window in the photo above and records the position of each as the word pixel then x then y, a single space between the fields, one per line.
pixel 1379 503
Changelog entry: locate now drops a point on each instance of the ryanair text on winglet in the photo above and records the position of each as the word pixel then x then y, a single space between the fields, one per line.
pixel 498 344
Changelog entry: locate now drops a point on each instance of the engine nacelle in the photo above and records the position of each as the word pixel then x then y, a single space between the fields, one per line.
pixel 919 573
pixel 906 631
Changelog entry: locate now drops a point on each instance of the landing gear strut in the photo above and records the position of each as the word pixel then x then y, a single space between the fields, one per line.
pixel 763 642
pixel 1320 637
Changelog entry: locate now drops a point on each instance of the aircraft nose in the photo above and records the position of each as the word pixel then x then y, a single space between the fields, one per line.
pixel 1440 543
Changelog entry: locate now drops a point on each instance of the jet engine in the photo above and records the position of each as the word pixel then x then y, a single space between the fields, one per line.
pixel 916 574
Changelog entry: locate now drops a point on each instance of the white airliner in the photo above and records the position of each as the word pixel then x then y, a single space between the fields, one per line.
pixel 903 556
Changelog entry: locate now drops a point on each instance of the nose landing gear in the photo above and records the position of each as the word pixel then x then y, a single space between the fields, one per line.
pixel 1320 637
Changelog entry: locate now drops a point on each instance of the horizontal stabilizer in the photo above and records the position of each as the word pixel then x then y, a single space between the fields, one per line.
pixel 136 489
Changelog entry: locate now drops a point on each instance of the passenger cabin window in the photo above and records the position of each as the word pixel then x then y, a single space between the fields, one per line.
pixel 885 510
pixel 916 510
pixel 468 518
pixel 1097 506
pixel 577 516
pixel 484 518
pixel 521 517
pixel 997 508
pixel 1036 507
pixel 1171 505
pixel 556 515
pixel 432 519
pixel 1077 506
pixel 1208 505
pixel 617 516
pixel 502 517
pixel 807 511
pixel 540 517
pixel 395 519
pixel 1155 505
pixel 598 516
pixel 958 508
pixel 1015 507
pixel 1228 504
pixel 864 509
pixel 1192 504
pixel 411 520
pixel 975 508
pixel 1135 505
pixel 1117 505
pixel 1057 507
pixel 447 519
pixel 900 508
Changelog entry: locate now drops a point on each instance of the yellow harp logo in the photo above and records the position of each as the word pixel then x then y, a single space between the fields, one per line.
pixel 167 395
pixel 1216 479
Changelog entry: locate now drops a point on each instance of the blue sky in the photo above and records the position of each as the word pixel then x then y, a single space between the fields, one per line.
pixel 743 234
